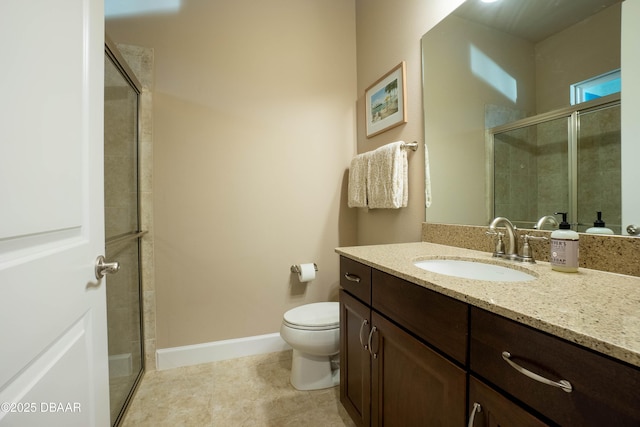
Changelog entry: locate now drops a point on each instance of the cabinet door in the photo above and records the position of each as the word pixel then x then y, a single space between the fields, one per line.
pixel 413 385
pixel 355 361
pixel 496 410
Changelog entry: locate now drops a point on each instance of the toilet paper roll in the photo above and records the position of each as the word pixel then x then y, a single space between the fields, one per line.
pixel 307 272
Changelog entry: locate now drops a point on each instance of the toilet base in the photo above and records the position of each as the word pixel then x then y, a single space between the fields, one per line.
pixel 310 372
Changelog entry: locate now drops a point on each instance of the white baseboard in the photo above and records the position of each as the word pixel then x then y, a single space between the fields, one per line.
pixel 175 357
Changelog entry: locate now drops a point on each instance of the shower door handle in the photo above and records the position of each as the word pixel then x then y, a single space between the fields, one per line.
pixel 103 268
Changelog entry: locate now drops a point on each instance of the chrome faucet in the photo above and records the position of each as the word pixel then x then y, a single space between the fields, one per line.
pixel 512 250
pixel 512 253
pixel 546 219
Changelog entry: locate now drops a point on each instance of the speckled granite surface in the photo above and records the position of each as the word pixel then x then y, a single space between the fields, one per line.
pixel 616 254
pixel 595 309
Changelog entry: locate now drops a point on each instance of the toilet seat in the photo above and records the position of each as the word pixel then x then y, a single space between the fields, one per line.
pixel 319 316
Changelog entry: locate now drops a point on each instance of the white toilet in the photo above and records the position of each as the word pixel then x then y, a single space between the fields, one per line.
pixel 313 331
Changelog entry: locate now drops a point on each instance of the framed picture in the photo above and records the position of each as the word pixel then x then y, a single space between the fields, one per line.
pixel 386 101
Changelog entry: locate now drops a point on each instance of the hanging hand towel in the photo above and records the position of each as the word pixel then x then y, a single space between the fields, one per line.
pixel 387 180
pixel 357 192
pixel 427 178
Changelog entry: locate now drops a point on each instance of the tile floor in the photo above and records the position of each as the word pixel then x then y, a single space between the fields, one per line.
pixel 250 391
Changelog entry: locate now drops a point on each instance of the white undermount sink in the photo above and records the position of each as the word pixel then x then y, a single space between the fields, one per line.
pixel 474 270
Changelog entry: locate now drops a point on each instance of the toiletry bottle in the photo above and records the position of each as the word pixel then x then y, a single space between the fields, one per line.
pixel 598 226
pixel 564 247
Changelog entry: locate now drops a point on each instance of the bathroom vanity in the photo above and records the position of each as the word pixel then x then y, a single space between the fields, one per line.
pixel 421 348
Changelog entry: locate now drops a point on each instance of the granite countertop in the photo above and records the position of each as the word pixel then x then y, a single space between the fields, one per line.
pixel 595 309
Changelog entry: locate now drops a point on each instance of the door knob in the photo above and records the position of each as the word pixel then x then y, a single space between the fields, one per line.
pixel 103 268
pixel 633 229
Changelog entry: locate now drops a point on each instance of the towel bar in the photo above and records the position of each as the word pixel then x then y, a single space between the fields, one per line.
pixel 411 145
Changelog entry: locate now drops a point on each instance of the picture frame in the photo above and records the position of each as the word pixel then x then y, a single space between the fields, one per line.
pixel 386 101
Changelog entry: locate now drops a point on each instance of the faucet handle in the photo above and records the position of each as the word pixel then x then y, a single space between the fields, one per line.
pixel 499 244
pixel 527 256
pixel 528 237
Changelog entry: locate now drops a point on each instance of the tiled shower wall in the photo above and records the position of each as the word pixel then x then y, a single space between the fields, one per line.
pixel 140 60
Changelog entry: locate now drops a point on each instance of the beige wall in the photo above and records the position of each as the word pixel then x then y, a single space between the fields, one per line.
pixel 254 127
pixel 254 130
pixel 388 33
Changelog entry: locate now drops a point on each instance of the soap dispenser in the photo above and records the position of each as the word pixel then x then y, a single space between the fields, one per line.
pixel 598 226
pixel 564 247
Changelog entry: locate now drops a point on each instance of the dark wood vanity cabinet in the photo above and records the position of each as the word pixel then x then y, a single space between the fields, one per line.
pixel 604 392
pixel 413 357
pixel 389 375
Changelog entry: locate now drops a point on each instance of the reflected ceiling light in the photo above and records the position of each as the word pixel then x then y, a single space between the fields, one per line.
pixel 488 1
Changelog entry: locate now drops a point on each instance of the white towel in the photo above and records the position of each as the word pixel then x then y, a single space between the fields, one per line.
pixel 357 192
pixel 387 180
pixel 427 178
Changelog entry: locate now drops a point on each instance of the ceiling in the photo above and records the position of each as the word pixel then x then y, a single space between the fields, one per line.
pixel 532 20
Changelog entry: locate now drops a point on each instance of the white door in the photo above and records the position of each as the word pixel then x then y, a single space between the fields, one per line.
pixel 53 341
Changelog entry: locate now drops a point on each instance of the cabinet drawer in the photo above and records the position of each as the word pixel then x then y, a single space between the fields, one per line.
pixel 605 392
pixel 355 278
pixel 437 319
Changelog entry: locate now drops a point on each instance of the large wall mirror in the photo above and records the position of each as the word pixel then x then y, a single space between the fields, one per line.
pixel 522 112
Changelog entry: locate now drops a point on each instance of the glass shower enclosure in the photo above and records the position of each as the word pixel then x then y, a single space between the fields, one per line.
pixel 563 161
pixel 122 231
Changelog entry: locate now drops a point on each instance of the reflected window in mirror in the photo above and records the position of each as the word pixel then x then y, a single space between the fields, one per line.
pixel 596 87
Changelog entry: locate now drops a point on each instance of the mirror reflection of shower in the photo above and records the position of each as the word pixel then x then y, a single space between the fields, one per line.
pixel 563 161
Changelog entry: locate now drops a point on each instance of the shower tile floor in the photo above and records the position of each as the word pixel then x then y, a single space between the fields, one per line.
pixel 250 391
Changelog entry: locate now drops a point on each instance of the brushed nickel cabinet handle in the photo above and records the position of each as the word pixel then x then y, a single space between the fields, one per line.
pixel 475 410
pixel 375 355
pixel 364 322
pixel 352 277
pixel 562 384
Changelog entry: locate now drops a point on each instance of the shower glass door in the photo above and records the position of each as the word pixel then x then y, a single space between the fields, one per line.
pixel 122 234
pixel 599 168
pixel 530 176
pixel 568 161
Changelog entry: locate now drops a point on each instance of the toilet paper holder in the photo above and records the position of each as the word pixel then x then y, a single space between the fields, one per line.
pixel 296 268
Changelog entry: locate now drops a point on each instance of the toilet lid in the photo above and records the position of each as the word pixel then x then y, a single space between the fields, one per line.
pixel 318 315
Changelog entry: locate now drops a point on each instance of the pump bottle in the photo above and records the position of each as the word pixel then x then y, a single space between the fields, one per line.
pixel 564 247
pixel 599 226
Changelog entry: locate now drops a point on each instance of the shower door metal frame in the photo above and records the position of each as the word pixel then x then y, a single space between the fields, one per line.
pixel 112 52
pixel 573 127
